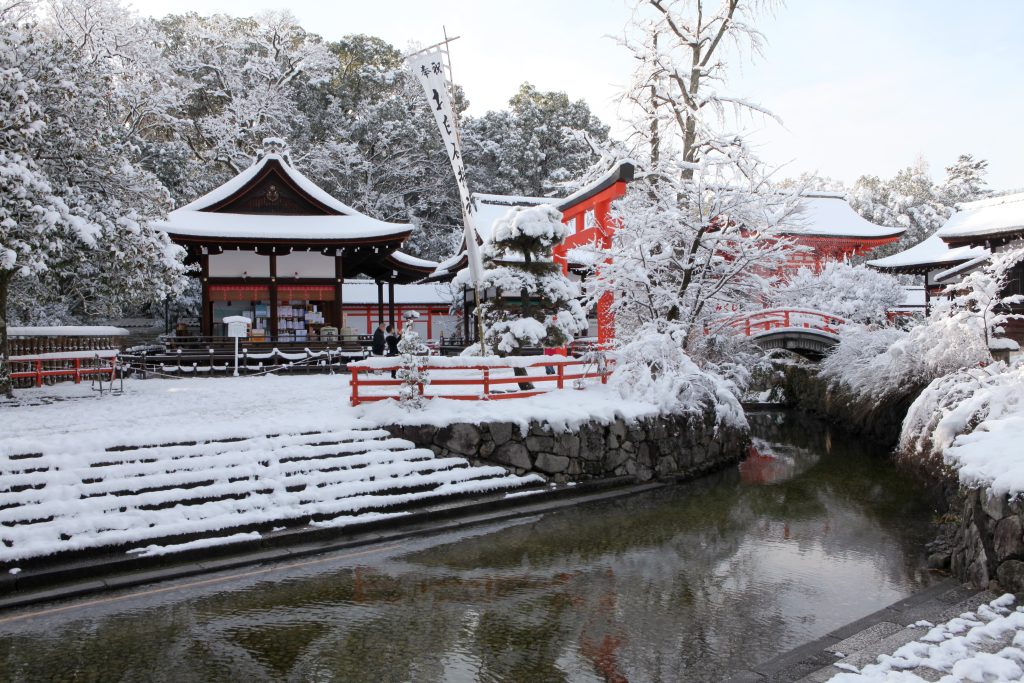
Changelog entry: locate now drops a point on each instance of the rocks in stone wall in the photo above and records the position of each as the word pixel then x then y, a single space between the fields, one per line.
pixel 664 447
pixel 989 541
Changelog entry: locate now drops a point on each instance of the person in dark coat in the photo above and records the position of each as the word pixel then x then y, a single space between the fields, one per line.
pixel 378 346
pixel 392 341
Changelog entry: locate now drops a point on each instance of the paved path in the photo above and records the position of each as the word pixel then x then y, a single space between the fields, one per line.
pixel 862 641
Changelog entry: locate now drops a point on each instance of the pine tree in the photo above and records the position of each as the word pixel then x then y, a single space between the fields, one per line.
pixel 534 304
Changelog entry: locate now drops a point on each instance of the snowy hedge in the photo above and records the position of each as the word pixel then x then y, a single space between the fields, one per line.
pixel 973 421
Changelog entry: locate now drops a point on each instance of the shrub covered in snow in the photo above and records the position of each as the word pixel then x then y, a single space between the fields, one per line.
pixel 535 305
pixel 654 368
pixel 874 362
pixel 412 353
pixel 973 421
pixel 857 293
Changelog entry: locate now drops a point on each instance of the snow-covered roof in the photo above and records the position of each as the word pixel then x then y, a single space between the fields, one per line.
pixel 827 214
pixel 986 217
pixel 68 331
pixel 961 269
pixel 927 255
pixel 413 261
pixel 255 226
pixel 365 292
pixel 196 220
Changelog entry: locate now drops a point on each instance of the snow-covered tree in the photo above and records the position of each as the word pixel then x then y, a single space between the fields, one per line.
pixel 965 180
pixel 877 363
pixel 77 197
pixel 541 145
pixel 979 301
pixel 241 76
pixel 412 353
pixel 856 293
pixel 535 305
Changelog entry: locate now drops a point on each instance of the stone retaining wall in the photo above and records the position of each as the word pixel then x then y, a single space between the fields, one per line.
pixel 670 446
pixel 988 541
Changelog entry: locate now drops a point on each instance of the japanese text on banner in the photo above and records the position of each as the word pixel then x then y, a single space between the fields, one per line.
pixel 429 70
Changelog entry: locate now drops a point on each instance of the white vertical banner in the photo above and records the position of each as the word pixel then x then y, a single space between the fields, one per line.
pixel 428 68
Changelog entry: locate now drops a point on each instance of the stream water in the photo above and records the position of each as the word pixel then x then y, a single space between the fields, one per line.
pixel 689 583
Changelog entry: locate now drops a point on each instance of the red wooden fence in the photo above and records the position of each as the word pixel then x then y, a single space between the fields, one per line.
pixel 485 380
pixel 68 366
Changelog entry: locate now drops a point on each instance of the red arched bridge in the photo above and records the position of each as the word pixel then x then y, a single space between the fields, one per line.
pixel 807 332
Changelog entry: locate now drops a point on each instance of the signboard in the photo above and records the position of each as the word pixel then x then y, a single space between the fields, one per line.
pixel 238 325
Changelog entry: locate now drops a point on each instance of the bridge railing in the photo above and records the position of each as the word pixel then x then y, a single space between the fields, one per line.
pixel 777 319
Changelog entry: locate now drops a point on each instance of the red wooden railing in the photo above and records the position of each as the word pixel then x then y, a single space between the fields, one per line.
pixel 68 366
pixel 785 318
pixel 485 380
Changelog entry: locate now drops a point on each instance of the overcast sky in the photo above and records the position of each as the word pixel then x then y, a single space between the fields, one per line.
pixel 861 86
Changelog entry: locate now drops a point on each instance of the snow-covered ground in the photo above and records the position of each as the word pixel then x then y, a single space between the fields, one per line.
pixel 224 458
pixel 73 417
pixel 986 645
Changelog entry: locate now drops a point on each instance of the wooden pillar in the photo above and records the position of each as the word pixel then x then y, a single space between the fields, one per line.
pixel 380 301
pixel 465 313
pixel 927 297
pixel 339 301
pixel 273 294
pixel 391 304
pixel 206 317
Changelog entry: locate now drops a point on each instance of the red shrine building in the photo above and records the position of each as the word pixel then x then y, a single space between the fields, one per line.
pixel 830 230
pixel 273 246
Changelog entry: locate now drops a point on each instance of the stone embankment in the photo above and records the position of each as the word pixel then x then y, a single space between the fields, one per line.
pixel 879 420
pixel 988 540
pixel 670 446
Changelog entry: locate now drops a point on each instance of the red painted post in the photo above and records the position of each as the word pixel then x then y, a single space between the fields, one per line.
pixel 355 385
pixel 785 319
pixel 78 371
pixel 487 382
pixel 561 375
pixel 39 373
pixel 746 327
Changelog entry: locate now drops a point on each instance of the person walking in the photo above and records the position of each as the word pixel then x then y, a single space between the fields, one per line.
pixel 392 342
pixel 378 346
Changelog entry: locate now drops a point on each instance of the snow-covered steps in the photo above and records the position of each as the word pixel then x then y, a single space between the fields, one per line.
pixel 150 499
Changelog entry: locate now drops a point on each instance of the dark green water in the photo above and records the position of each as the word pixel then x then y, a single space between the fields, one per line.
pixel 688 584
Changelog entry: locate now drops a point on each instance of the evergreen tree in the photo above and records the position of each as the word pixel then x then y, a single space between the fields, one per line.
pixel 412 353
pixel 535 305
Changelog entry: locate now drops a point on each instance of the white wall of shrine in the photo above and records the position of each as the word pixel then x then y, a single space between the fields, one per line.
pixel 239 264
pixel 306 264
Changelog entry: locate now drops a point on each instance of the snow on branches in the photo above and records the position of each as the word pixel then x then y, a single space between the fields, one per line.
pixel 856 293
pixel 535 305
pixel 412 353
pixel 958 334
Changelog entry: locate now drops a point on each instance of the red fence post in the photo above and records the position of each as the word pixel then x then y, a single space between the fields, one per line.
pixel 78 371
pixel 487 382
pixel 39 373
pixel 561 375
pixel 355 385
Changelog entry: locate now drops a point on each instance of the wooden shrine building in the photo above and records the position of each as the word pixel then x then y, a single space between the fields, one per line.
pixel 273 246
pixel 830 230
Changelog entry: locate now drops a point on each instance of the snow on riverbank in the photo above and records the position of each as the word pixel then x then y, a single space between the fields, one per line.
pixel 974 420
pixel 984 645
pixel 70 418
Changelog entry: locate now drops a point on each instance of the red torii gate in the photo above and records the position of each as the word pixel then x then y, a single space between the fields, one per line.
pixel 594 203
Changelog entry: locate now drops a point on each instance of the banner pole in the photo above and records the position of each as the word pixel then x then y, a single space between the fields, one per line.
pixel 475 268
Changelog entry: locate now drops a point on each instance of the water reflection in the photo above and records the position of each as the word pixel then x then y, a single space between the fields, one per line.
pixel 690 583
